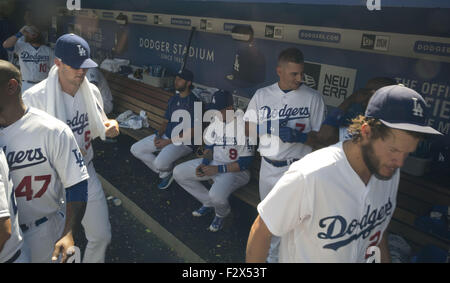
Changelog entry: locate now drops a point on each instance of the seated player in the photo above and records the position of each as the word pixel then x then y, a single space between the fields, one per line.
pixel 162 140
pixel 232 155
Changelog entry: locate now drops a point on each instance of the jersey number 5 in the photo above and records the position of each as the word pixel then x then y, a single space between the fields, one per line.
pixel 24 188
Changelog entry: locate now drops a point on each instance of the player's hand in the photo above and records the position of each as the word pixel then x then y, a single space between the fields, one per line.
pixel 210 170
pixel 112 128
pixel 161 143
pixel 23 29
pixel 199 170
pixel 61 248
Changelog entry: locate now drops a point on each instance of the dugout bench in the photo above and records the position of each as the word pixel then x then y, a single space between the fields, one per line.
pixel 415 197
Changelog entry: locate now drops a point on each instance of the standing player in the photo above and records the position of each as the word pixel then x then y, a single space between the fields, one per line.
pixel 96 77
pixel 296 110
pixel 228 169
pixel 67 95
pixel 44 162
pixel 144 149
pixel 35 58
pixel 336 202
pixel 11 239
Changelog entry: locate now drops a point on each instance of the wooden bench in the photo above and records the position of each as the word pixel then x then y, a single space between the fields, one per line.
pixel 415 196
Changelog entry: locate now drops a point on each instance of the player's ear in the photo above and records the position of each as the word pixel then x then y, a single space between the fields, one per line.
pixel 12 86
pixel 57 62
pixel 366 131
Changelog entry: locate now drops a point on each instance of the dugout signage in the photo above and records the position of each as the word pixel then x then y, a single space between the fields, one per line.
pixel 333 82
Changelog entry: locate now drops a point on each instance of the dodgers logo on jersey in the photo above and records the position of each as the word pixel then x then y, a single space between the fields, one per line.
pixel 78 123
pixel 337 227
pixel 78 157
pixel 33 156
pixel 291 113
pixel 27 57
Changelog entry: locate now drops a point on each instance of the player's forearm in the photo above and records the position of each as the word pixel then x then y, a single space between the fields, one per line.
pixel 5 231
pixel 74 214
pixel 10 42
pixel 258 243
pixel 384 249
pixel 162 129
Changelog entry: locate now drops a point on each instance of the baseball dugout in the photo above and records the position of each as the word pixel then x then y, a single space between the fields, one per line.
pixel 416 196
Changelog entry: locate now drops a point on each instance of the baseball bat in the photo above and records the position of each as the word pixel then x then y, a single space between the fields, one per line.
pixel 183 65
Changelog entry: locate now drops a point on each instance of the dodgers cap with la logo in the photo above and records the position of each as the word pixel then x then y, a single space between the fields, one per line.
pixel 401 108
pixel 74 51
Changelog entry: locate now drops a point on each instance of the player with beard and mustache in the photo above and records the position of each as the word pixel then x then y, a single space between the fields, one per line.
pixel 337 202
pixel 162 141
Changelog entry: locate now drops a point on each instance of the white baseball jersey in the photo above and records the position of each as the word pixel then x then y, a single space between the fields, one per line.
pixel 35 63
pixel 8 208
pixel 78 121
pixel 303 109
pixel 43 159
pixel 230 144
pixel 324 212
pixel 96 77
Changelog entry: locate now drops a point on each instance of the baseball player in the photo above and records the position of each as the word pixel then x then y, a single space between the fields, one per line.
pixel 96 77
pixel 334 128
pixel 228 169
pixel 335 203
pixel 67 95
pixel 295 110
pixel 11 239
pixel 35 58
pixel 162 141
pixel 45 164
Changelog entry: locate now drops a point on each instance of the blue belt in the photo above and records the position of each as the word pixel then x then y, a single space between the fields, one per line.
pixel 30 82
pixel 38 222
pixel 280 163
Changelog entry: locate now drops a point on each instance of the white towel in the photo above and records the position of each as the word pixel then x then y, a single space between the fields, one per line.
pixel 54 103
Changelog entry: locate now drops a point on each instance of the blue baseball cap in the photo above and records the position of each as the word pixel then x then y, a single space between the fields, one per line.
pixel 221 99
pixel 74 51
pixel 401 108
pixel 186 75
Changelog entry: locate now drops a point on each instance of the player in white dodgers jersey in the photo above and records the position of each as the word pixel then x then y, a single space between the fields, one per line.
pixel 228 169
pixel 335 203
pixel 95 76
pixel 11 239
pixel 67 95
pixel 290 111
pixel 45 164
pixel 35 58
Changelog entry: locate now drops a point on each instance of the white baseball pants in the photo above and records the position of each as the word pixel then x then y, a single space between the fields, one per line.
pixel 268 177
pixel 39 241
pixel 96 220
pixel 163 163
pixel 224 185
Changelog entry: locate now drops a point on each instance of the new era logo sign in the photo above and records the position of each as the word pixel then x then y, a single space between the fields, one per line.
pixel 417 110
pixel 81 50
